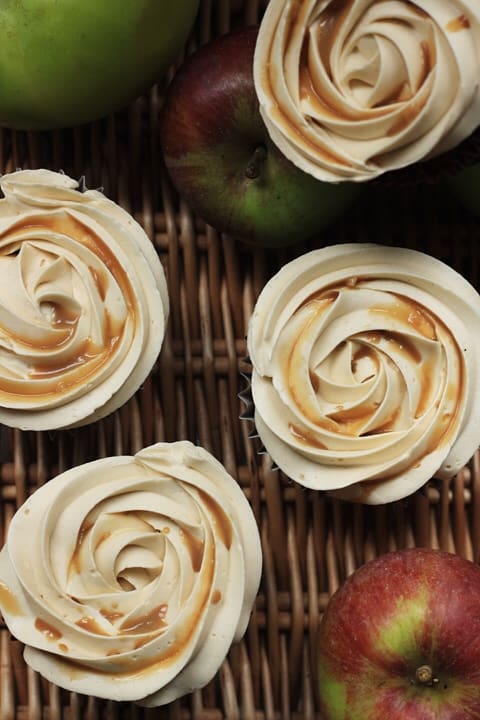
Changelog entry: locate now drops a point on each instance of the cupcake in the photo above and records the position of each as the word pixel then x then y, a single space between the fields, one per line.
pixel 83 303
pixel 138 575
pixel 366 370
pixel 352 90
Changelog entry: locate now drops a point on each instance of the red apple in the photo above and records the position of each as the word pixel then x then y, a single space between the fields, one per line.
pixel 221 159
pixel 400 640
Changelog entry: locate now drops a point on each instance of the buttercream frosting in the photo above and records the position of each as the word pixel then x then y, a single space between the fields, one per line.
pixel 138 574
pixel 365 370
pixel 350 89
pixel 83 302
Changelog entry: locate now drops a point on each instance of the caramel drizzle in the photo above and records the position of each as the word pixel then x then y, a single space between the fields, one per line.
pixel 411 314
pixel 314 381
pixel 402 344
pixel 183 637
pixel 459 23
pixel 8 601
pixel 151 622
pixel 195 548
pixel 89 357
pixel 111 615
pixel 330 22
pixel 281 117
pixel 75 565
pixel 442 433
pixel 407 116
pixel 216 597
pixel 50 631
pixel 387 426
pixel 365 353
pixel 222 522
pixel 306 437
pixel 89 624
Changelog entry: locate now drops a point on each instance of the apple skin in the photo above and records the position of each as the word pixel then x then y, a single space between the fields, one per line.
pixel 403 611
pixel 211 127
pixel 67 62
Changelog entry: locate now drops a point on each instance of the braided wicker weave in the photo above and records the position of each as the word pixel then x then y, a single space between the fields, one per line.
pixel 310 542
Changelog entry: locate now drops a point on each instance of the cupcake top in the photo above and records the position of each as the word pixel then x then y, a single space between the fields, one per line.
pixel 138 574
pixel 83 303
pixel 350 89
pixel 366 370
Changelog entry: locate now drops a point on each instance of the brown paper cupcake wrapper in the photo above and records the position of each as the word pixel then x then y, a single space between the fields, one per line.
pixel 248 414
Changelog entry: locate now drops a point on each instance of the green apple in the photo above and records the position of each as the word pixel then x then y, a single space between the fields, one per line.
pixel 66 62
pixel 222 161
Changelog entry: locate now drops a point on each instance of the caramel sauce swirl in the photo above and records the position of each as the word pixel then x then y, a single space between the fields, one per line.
pixel 146 569
pixel 78 283
pixel 373 383
pixel 350 90
pixel 79 359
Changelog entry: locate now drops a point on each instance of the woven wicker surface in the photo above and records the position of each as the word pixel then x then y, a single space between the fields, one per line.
pixel 310 542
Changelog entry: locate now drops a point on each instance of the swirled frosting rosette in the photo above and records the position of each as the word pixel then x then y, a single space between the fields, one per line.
pixel 350 89
pixel 138 574
pixel 83 303
pixel 366 366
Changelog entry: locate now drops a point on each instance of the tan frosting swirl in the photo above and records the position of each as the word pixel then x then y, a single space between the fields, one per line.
pixel 365 370
pixel 350 89
pixel 83 302
pixel 138 575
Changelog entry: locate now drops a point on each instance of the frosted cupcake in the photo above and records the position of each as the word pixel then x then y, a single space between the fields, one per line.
pixel 83 303
pixel 138 574
pixel 365 370
pixel 352 89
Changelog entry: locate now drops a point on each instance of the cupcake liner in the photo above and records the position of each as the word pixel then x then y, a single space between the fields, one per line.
pixel 248 415
pixel 245 395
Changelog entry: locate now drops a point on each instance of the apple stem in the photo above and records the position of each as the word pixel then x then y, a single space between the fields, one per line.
pixel 253 169
pixel 424 675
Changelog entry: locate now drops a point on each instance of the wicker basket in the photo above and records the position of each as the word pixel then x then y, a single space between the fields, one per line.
pixel 310 542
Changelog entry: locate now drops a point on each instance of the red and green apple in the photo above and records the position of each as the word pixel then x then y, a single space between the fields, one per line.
pixel 400 640
pixel 222 161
